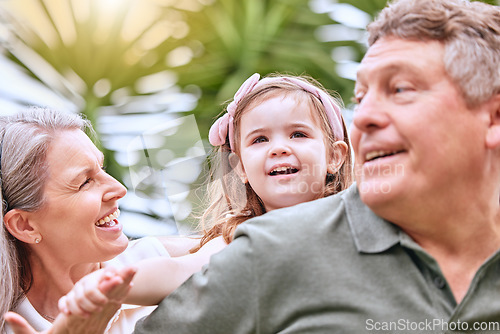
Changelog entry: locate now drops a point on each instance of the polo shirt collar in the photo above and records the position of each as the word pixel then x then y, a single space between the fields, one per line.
pixel 371 233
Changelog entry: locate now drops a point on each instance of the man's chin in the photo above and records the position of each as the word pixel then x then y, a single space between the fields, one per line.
pixel 376 193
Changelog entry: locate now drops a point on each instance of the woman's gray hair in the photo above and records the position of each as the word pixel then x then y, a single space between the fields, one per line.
pixel 24 141
pixel 469 31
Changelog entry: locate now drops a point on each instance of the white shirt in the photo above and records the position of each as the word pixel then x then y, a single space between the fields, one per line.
pixel 124 320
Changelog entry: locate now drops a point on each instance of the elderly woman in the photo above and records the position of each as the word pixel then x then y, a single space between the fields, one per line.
pixel 60 217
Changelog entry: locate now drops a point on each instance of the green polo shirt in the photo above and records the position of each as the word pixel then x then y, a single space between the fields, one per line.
pixel 327 266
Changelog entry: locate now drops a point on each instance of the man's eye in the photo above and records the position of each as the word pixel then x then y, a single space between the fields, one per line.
pixel 260 139
pixel 402 89
pixel 357 99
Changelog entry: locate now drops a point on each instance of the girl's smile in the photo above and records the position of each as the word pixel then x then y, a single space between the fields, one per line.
pixel 283 152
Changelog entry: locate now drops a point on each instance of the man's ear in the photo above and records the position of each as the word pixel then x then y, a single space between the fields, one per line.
pixel 237 166
pixel 17 223
pixel 493 135
pixel 338 157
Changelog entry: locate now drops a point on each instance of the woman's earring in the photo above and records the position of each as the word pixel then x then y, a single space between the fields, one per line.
pixel 37 240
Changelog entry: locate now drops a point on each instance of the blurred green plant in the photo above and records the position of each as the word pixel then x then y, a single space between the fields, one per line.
pixel 95 52
pixel 126 58
pixel 104 54
pixel 230 40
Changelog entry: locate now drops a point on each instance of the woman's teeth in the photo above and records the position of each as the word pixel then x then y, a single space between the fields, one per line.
pixel 109 220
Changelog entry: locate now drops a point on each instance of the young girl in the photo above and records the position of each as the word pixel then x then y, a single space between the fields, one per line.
pixel 282 142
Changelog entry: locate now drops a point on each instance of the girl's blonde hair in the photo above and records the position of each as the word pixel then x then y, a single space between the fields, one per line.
pixel 230 202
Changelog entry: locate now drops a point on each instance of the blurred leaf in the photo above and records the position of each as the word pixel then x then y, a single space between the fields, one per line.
pixel 242 37
pixel 120 60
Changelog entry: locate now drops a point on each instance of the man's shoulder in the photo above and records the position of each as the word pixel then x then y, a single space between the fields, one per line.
pixel 315 209
pixel 306 218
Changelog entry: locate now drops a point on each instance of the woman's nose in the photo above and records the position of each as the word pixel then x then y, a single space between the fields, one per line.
pixel 114 189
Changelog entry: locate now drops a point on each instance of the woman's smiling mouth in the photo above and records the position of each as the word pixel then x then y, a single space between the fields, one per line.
pixel 109 220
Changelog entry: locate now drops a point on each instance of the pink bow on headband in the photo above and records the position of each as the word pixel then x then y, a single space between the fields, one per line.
pixel 224 125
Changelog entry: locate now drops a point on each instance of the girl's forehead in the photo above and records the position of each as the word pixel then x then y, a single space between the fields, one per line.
pixel 279 110
pixel 299 96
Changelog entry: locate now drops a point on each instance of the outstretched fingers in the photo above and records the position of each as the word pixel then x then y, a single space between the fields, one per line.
pixel 85 297
pixel 118 286
pixel 18 324
pixel 114 286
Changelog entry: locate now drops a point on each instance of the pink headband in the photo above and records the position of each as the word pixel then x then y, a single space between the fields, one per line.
pixel 224 125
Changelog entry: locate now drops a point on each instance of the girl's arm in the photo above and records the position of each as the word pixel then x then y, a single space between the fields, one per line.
pixel 98 290
pixel 179 245
pixel 155 278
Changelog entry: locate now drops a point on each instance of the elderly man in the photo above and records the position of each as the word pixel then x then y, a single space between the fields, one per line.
pixel 414 245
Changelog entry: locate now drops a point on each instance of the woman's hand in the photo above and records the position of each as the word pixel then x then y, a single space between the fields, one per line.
pixel 114 287
pixel 85 297
pixel 18 324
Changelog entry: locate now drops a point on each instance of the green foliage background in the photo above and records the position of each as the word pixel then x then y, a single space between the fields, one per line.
pixel 97 53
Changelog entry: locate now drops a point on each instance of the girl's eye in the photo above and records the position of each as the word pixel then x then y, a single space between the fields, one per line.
pixel 260 139
pixel 298 134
